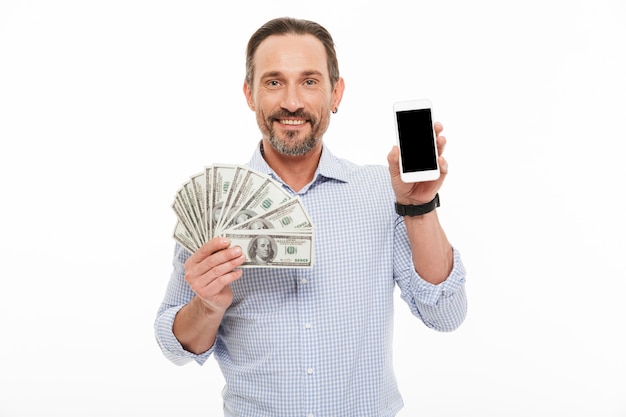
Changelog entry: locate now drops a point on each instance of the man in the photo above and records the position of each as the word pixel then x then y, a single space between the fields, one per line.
pixel 318 341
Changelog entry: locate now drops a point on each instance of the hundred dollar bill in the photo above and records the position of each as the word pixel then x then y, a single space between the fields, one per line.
pixel 246 183
pixel 227 205
pixel 269 196
pixel 193 210
pixel 198 186
pixel 222 180
pixel 289 215
pixel 182 236
pixel 184 213
pixel 208 201
pixel 274 250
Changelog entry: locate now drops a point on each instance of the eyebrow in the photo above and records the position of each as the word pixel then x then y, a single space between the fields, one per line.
pixel 307 73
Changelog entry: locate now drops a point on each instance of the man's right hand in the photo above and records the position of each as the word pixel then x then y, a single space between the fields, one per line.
pixel 211 269
pixel 208 272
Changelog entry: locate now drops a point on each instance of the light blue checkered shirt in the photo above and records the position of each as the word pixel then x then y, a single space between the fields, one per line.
pixel 318 342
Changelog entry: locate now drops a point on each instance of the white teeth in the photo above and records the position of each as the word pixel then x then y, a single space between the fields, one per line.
pixel 292 122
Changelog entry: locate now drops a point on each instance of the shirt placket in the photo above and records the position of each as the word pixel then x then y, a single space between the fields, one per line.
pixel 309 360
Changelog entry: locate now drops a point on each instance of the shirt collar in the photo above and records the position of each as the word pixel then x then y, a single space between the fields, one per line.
pixel 329 167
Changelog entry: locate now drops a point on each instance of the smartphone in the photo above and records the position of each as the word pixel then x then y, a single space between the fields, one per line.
pixel 416 139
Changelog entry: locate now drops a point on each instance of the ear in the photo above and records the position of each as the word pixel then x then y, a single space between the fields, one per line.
pixel 338 93
pixel 247 91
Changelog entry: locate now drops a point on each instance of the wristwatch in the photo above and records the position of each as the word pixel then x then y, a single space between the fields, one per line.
pixel 419 209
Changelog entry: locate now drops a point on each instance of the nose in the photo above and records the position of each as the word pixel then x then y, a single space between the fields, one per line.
pixel 292 101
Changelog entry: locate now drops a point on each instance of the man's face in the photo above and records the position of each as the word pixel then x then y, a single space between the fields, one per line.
pixel 263 248
pixel 291 92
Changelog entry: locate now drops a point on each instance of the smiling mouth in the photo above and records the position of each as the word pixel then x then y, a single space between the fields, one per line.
pixel 292 122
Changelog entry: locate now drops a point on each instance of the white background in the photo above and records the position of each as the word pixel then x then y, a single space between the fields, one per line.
pixel 107 107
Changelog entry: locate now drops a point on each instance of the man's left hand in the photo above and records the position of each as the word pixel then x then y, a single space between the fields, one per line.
pixel 418 192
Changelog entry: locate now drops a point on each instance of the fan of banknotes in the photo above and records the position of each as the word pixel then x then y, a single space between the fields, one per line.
pixel 250 209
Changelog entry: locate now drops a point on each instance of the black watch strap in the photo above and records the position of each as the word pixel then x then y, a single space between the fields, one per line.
pixel 419 209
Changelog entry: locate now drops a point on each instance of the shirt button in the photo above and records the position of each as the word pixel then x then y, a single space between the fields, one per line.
pixel 310 415
pixel 303 281
pixel 307 326
pixel 309 371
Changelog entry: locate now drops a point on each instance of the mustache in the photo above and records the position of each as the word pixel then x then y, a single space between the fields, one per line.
pixel 284 114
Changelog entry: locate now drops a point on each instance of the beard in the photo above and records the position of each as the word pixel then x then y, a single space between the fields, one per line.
pixel 289 144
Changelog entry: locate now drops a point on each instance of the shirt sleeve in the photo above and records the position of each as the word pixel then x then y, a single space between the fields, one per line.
pixel 442 307
pixel 177 295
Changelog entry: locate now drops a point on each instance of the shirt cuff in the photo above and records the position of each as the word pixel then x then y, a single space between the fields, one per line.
pixel 171 347
pixel 431 294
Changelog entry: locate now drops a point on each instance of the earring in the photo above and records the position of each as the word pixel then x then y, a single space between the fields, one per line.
pixel 335 111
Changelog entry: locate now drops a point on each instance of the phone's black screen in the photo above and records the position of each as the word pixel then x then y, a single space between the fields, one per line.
pixel 415 133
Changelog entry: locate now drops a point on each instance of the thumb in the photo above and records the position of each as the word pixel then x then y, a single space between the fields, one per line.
pixel 393 159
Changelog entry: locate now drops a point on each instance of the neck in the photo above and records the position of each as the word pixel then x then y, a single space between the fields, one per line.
pixel 295 171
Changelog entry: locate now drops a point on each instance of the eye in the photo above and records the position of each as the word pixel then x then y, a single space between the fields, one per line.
pixel 272 83
pixel 310 82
